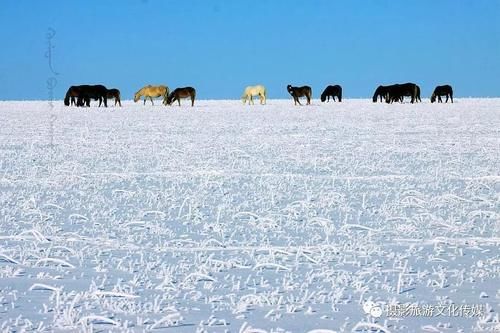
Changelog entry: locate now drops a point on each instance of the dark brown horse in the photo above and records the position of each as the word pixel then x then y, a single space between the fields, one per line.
pixel 332 91
pixel 84 93
pixel 178 93
pixel 398 92
pixel 445 90
pixel 297 92
pixel 115 93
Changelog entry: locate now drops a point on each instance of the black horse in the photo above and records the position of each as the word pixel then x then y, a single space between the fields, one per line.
pixel 398 92
pixel 84 93
pixel 178 93
pixel 445 90
pixel 333 91
pixel 298 92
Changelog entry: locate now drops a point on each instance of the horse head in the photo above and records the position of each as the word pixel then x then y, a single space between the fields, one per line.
pixel 433 97
pixel 377 93
pixel 169 98
pixel 137 96
pixel 289 88
pixel 323 97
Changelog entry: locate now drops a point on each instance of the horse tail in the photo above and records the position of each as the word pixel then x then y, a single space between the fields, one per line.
pixel 165 96
pixel 193 96
pixel 340 94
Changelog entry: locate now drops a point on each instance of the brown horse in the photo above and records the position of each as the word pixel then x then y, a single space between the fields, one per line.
pixel 152 91
pixel 84 93
pixel 297 92
pixel 178 93
pixel 115 93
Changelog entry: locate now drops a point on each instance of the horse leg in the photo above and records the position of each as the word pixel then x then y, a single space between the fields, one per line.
pixel 451 96
pixel 145 98
pixel 192 100
pixel 151 98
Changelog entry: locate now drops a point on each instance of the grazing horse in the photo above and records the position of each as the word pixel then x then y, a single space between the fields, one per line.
pixel 333 91
pixel 115 93
pixel 84 93
pixel 445 90
pixel 178 93
pixel 251 91
pixel 297 92
pixel 397 92
pixel 152 92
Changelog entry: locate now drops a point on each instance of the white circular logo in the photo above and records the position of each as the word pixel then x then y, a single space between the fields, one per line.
pixel 372 308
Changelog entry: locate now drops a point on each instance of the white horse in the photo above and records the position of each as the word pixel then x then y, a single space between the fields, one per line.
pixel 251 91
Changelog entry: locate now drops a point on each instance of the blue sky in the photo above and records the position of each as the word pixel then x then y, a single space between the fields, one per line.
pixel 221 46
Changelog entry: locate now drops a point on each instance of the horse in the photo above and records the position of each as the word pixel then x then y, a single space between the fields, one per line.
pixel 251 91
pixel 152 92
pixel 445 90
pixel 178 93
pixel 297 92
pixel 333 91
pixel 115 93
pixel 84 93
pixel 397 92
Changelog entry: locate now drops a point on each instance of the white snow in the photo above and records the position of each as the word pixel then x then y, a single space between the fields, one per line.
pixel 232 218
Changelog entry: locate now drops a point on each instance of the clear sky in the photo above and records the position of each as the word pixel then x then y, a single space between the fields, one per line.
pixel 221 46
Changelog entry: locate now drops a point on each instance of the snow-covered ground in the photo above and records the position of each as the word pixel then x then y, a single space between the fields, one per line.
pixel 232 218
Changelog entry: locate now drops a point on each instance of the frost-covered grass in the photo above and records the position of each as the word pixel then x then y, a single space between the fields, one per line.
pixel 230 218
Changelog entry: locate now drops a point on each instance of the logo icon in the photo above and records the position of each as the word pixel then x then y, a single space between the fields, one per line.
pixel 372 308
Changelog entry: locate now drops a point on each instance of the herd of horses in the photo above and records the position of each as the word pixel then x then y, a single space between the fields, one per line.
pixel 397 93
pixel 82 95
